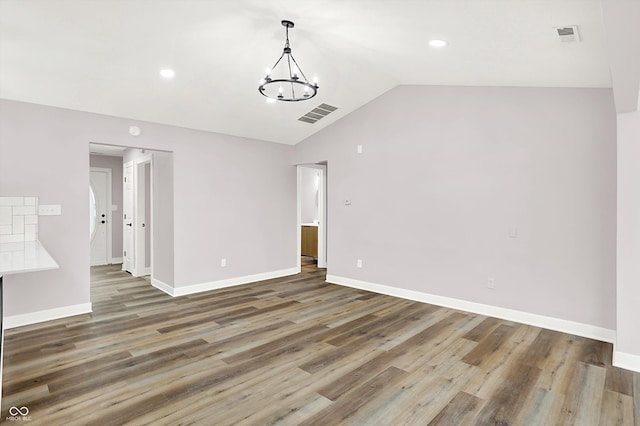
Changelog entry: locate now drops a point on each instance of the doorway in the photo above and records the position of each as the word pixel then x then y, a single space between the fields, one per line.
pixel 142 197
pixel 312 213
pixel 100 215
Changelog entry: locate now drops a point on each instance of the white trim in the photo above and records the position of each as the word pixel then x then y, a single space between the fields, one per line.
pixel 299 217
pixel 125 208
pixel 162 286
pixel 322 217
pixel 115 260
pixel 139 248
pixel 322 212
pixel 229 282
pixel 565 326
pixel 46 315
pixel 626 360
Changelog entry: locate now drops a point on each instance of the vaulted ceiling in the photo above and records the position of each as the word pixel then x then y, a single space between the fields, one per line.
pixel 105 56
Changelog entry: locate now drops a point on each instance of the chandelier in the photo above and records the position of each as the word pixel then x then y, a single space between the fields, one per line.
pixel 287 83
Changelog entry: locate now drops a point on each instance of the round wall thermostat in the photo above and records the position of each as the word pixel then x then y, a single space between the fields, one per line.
pixel 134 131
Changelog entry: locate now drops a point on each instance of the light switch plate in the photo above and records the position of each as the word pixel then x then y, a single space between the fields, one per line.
pixel 49 209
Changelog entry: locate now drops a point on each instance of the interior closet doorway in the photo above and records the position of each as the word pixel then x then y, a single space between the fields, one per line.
pixel 312 213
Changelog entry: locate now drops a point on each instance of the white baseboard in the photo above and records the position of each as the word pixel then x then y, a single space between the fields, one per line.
pixel 14 321
pixel 214 285
pixel 565 326
pixel 162 286
pixel 110 261
pixel 626 360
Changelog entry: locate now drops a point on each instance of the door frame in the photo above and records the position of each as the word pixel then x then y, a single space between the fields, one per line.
pixel 322 213
pixel 125 208
pixel 138 269
pixel 109 202
pixel 138 230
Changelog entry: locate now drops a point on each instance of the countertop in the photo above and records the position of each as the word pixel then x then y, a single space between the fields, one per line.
pixel 29 256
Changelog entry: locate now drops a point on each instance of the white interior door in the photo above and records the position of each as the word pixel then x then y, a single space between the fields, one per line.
pixel 128 257
pixel 142 221
pixel 98 217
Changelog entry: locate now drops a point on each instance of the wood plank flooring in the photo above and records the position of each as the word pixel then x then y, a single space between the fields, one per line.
pixel 297 350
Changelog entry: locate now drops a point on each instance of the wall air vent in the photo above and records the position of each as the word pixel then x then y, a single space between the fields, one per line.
pixel 568 34
pixel 317 113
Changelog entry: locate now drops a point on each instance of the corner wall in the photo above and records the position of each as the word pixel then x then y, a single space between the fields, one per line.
pixel 457 185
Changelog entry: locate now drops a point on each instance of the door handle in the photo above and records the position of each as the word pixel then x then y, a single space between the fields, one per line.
pixel 103 221
pixel 129 224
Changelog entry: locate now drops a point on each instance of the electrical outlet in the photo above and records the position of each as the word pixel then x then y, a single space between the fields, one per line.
pixel 359 149
pixel 223 263
pixel 359 263
pixel 490 283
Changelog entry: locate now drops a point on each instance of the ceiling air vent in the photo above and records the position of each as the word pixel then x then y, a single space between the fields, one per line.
pixel 568 34
pixel 317 113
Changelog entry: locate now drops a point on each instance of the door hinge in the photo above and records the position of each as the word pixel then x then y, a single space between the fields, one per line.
pixel 125 253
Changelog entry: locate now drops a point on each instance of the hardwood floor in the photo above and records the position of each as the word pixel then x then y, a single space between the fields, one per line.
pixel 297 350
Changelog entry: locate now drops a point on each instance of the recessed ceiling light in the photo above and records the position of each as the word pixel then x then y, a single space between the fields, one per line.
pixel 271 101
pixel 437 43
pixel 167 73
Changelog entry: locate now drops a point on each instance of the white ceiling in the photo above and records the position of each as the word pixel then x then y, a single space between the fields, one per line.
pixel 105 56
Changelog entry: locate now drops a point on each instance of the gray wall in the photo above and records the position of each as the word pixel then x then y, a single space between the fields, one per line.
pixel 448 173
pixel 115 164
pixel 232 197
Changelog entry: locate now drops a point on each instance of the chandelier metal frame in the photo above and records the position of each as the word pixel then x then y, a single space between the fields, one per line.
pixel 291 85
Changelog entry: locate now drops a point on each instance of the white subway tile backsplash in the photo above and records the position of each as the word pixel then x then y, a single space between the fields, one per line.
pixel 18 219
pixel 24 210
pixel 14 238
pixel 5 215
pixel 12 201
pixel 30 232
pixel 18 224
